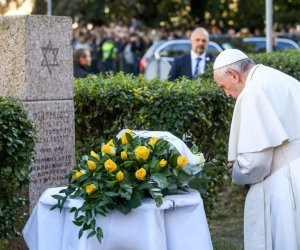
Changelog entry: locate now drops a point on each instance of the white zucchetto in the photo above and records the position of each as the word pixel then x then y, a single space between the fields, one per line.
pixel 229 56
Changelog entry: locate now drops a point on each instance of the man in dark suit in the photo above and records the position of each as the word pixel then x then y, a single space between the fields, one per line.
pixel 82 63
pixel 194 63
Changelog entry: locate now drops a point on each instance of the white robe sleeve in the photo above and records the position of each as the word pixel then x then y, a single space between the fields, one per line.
pixel 250 168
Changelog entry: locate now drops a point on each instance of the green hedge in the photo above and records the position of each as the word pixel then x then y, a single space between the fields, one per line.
pixel 105 105
pixel 287 62
pixel 17 140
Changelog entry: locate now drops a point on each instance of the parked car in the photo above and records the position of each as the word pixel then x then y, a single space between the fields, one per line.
pixel 258 44
pixel 159 57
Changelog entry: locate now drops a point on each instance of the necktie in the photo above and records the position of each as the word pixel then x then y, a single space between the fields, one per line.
pixel 198 59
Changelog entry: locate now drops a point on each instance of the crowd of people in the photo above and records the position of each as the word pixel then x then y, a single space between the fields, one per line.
pixel 114 48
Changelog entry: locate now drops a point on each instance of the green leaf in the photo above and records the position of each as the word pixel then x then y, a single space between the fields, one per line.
pixel 144 185
pixel 58 197
pixel 183 177
pixel 135 200
pixel 80 233
pixel 91 234
pixel 175 171
pixel 128 163
pixel 192 169
pixel 73 209
pixel 129 137
pixel 173 160
pixel 123 208
pixel 85 158
pixel 99 234
pixel 125 193
pixel 86 226
pixel 160 179
pixel 111 194
pixel 158 201
pixel 102 203
pixel 153 164
pixel 54 207
pixel 78 223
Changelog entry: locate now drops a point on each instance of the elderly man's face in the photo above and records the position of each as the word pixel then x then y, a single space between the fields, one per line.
pixel 86 60
pixel 199 41
pixel 230 82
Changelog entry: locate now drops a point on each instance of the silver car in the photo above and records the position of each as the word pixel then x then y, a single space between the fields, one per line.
pixel 159 57
pixel 258 44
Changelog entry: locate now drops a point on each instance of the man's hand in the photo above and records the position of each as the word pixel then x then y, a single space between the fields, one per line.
pixel 229 166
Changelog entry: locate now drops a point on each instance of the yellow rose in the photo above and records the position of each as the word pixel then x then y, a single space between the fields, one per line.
pixel 110 165
pixel 182 161
pixel 111 143
pixel 142 152
pixel 123 155
pixel 76 175
pixel 108 149
pixel 92 165
pixel 163 163
pixel 120 176
pixel 153 140
pixel 140 174
pixel 124 138
pixel 90 189
pixel 95 155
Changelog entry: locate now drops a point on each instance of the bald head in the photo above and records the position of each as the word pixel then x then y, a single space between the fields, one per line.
pixel 199 40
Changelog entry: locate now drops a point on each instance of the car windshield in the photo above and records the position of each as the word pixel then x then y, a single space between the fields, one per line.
pixel 259 44
pixel 180 47
pixel 153 47
pixel 176 49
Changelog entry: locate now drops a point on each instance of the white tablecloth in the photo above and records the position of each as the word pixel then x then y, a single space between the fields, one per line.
pixel 179 224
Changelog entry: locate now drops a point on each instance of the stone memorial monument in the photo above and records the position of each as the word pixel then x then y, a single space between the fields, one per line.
pixel 37 68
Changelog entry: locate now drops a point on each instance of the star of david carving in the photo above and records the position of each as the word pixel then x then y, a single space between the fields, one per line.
pixel 50 56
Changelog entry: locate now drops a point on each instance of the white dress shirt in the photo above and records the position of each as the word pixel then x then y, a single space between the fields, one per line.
pixel 194 61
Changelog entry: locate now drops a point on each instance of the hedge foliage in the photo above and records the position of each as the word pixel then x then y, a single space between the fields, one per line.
pixel 287 62
pixel 17 141
pixel 105 105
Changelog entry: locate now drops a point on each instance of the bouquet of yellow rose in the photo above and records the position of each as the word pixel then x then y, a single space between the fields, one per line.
pixel 126 170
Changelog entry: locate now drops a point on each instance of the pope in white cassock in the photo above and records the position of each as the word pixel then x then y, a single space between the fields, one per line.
pixel 264 148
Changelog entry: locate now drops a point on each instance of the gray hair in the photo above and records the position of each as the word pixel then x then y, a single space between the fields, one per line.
pixel 239 66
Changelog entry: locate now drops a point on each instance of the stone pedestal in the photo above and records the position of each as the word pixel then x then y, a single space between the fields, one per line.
pixel 37 68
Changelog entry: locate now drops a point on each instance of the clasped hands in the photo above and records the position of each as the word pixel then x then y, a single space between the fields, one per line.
pixel 230 166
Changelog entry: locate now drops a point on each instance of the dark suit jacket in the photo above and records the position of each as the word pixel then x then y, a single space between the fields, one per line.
pixel 80 71
pixel 182 66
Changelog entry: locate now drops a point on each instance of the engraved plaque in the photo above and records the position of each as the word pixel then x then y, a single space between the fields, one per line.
pixel 55 149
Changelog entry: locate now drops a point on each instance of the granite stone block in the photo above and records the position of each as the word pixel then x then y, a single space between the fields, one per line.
pixel 36 56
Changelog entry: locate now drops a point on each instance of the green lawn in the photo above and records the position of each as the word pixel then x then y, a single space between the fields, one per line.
pixel 3 245
pixel 226 223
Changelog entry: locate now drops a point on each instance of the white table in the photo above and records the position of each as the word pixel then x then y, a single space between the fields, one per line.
pixel 179 224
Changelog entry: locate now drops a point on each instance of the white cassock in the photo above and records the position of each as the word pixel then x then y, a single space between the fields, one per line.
pixel 265 145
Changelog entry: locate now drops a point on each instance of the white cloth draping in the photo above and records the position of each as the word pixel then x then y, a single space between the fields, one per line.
pixel 180 223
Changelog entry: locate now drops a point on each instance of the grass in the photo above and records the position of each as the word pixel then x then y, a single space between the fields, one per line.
pixel 3 245
pixel 226 221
